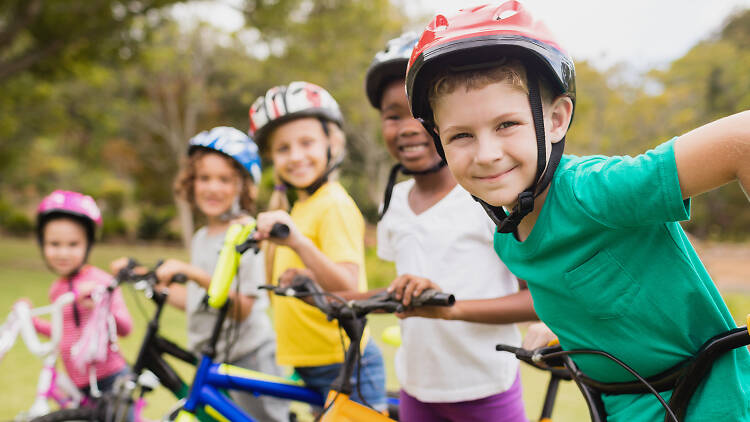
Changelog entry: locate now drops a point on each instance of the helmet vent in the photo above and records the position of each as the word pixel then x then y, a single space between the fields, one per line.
pixel 505 14
pixel 441 23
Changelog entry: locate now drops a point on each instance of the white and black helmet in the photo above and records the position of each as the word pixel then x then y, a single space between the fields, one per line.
pixel 287 102
pixel 389 64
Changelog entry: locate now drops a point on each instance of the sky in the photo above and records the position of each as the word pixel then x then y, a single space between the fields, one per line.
pixel 642 34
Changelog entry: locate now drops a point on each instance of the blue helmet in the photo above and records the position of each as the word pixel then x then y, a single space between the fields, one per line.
pixel 232 142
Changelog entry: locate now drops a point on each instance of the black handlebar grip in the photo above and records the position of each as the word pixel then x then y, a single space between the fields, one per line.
pixel 507 348
pixel 279 230
pixel 432 297
pixel 244 246
pixel 179 278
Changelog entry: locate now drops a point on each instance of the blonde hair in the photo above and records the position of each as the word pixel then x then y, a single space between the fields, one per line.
pixel 184 185
pixel 510 71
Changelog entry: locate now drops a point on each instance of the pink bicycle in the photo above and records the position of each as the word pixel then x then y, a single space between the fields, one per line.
pixel 52 386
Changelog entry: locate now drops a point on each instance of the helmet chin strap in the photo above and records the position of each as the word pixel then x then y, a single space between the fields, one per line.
pixel 398 167
pixel 508 223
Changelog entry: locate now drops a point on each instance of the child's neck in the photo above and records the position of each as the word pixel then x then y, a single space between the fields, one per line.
pixel 216 225
pixel 303 194
pixel 430 188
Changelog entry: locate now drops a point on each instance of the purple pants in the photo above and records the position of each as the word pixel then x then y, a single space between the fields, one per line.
pixel 503 407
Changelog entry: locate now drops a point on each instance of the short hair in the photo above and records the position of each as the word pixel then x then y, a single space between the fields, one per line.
pixel 509 70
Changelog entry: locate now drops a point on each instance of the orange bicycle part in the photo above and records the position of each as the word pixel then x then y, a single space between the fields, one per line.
pixel 341 408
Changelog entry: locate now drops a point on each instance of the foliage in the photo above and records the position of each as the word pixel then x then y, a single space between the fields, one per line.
pixel 116 128
pixel 17 223
pixel 153 224
pixel 47 36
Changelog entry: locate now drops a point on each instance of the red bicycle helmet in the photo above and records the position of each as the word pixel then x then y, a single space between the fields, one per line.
pixel 482 37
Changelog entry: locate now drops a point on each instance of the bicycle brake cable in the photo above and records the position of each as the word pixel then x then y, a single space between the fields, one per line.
pixel 632 371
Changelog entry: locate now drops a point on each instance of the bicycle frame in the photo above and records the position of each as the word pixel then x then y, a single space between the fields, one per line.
pixel 150 360
pixel 154 346
pixel 210 377
pixel 683 378
pixel 51 385
pixel 339 406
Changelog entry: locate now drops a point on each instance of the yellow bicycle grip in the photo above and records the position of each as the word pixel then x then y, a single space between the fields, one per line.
pixel 226 265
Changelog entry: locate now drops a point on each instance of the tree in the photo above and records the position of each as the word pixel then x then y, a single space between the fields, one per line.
pixel 180 82
pixel 45 36
pixel 332 43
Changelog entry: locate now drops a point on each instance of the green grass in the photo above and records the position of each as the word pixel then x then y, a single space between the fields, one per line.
pixel 23 274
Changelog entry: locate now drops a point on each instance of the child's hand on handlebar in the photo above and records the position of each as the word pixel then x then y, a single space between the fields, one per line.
pixel 406 287
pixel 25 300
pixel 287 277
pixel 265 223
pixel 84 291
pixel 118 264
pixel 171 267
pixel 538 335
pixel 287 280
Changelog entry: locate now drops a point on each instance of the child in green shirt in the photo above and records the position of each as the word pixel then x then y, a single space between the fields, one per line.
pixel 597 238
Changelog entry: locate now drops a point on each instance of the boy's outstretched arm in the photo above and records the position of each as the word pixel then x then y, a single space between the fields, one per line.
pixel 714 154
pixel 508 309
pixel 516 307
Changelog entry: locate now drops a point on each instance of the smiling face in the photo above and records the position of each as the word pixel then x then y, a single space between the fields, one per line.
pixel 217 184
pixel 299 151
pixel 64 245
pixel 489 140
pixel 405 138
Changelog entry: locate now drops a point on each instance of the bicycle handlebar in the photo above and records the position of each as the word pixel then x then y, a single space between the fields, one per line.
pixel 340 308
pixel 683 378
pixel 278 230
pixel 129 275
pixel 20 320
pixel 237 240
pixel 538 358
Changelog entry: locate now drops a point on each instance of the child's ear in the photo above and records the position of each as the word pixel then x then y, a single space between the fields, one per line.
pixel 560 113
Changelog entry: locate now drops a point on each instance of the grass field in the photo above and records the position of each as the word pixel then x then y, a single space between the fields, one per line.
pixel 23 274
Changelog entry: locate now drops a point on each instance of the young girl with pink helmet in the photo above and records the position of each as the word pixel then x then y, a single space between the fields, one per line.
pixel 66 230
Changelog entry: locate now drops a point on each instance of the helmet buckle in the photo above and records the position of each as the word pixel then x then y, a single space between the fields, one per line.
pixel 525 202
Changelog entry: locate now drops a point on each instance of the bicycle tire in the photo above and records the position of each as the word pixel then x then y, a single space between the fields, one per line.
pixel 83 414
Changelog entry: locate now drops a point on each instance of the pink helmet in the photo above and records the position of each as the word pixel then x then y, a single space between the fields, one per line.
pixel 73 204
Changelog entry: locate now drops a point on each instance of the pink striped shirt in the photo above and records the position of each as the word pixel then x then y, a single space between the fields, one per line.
pixel 71 333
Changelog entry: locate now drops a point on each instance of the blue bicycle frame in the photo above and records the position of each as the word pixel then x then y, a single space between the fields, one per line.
pixel 210 377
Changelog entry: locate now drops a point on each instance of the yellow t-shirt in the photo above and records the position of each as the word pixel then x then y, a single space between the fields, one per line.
pixel 331 219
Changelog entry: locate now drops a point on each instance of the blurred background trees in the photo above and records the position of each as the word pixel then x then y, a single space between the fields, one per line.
pixel 102 96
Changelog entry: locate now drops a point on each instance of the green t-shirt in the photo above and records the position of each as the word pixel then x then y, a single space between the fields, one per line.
pixel 609 268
